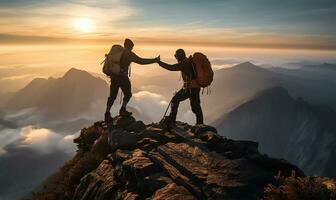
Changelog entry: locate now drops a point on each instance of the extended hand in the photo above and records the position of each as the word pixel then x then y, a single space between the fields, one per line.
pixel 158 59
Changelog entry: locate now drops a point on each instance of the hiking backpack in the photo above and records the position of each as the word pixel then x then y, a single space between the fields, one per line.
pixel 203 70
pixel 112 60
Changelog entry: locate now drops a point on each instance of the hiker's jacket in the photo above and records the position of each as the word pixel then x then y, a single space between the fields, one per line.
pixel 187 71
pixel 128 57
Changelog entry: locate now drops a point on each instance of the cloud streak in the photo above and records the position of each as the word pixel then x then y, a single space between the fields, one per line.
pixel 56 20
pixel 29 155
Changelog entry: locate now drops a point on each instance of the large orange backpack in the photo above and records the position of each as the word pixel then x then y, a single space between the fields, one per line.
pixel 203 70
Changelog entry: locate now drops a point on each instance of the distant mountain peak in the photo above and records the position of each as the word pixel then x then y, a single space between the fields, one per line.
pixel 35 82
pixel 74 72
pixel 247 63
pixel 274 96
pixel 59 96
pixel 248 66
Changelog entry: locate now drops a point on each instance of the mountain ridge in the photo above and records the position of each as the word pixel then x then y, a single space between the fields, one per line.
pixel 248 66
pixel 287 128
pixel 65 96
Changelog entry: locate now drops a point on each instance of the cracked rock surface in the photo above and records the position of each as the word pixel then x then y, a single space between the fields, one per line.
pixel 135 161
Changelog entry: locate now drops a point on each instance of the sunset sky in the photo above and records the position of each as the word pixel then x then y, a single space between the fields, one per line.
pixel 299 29
pixel 257 23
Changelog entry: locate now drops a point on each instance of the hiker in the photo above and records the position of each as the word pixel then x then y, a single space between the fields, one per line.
pixel 191 88
pixel 116 66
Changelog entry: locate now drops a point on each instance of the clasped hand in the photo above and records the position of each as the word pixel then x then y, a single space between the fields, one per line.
pixel 158 59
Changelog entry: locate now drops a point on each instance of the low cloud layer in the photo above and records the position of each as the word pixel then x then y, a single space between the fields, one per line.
pixel 150 107
pixel 28 155
pixel 41 140
pixel 150 104
pixel 46 141
pixel 40 151
pixel 154 105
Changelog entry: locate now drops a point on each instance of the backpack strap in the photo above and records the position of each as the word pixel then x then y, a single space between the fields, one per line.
pixel 129 67
pixel 104 59
pixel 192 64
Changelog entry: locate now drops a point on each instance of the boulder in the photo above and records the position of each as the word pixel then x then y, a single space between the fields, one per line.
pixel 138 165
pixel 123 121
pixel 210 137
pixel 99 184
pixel 173 192
pixel 118 138
pixel 199 129
pixel 148 144
pixel 137 127
pixel 160 135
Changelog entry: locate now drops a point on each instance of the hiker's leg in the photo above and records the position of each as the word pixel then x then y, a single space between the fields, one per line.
pixel 181 95
pixel 126 88
pixel 114 88
pixel 195 103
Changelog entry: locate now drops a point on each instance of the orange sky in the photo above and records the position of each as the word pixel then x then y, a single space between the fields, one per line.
pixel 212 23
pixel 77 33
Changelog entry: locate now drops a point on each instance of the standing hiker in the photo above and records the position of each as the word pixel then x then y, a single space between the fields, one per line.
pixel 196 73
pixel 116 66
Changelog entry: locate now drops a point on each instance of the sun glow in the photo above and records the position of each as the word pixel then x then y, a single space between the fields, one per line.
pixel 83 24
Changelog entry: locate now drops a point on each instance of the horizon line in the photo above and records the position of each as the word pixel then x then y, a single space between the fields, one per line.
pixel 8 39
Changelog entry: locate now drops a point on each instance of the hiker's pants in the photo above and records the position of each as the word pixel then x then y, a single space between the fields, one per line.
pixel 194 96
pixel 122 82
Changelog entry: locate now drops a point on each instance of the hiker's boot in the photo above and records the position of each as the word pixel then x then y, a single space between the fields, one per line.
pixel 108 117
pixel 167 123
pixel 171 124
pixel 124 112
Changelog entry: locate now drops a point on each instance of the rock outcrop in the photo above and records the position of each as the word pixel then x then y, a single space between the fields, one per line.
pixel 131 160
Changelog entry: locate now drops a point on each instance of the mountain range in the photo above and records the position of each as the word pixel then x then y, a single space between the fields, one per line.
pixel 63 97
pixel 283 113
pixel 231 87
pixel 14 78
pixel 285 127
pixel 237 84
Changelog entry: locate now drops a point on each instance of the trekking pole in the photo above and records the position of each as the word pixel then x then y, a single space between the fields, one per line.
pixel 120 97
pixel 104 59
pixel 167 109
pixel 168 106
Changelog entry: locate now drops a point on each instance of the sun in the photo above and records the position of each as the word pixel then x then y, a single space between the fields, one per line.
pixel 83 24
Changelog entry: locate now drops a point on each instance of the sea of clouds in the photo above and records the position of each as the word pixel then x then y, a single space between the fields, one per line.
pixel 41 143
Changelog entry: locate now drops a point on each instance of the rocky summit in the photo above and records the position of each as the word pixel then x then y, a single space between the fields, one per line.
pixel 131 160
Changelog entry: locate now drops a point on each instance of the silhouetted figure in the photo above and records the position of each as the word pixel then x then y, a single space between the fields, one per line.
pixel 121 80
pixel 188 91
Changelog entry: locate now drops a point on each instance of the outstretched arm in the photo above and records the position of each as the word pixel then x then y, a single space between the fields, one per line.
pixel 142 61
pixel 175 67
